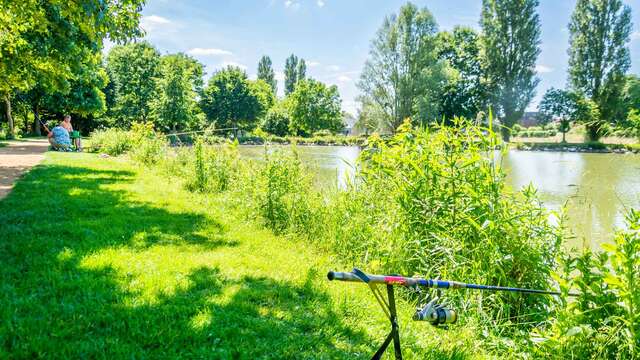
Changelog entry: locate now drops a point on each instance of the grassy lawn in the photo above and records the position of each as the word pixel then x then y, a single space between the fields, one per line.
pixel 101 259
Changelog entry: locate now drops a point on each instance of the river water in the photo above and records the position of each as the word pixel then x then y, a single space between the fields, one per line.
pixel 594 188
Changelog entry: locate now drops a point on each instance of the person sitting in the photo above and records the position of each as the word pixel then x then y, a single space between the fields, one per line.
pixel 75 136
pixel 59 138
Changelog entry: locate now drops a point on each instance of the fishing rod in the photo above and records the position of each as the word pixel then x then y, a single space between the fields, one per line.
pixel 432 312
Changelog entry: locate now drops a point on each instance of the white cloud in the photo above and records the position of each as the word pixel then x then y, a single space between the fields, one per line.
pixel 542 69
pixel 292 4
pixel 152 22
pixel 320 3
pixel 333 68
pixel 313 63
pixel 343 78
pixel 208 52
pixel 224 64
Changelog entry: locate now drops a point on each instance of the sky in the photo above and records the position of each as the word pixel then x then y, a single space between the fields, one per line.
pixel 333 36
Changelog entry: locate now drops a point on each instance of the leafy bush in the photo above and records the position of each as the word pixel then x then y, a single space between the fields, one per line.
pixel 321 133
pixel 276 121
pixel 110 141
pixel 211 168
pixel 604 321
pixel 284 193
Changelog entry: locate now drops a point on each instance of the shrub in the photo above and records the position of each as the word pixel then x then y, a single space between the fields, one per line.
pixel 284 193
pixel 211 168
pixel 604 322
pixel 321 133
pixel 276 121
pixel 446 212
pixel 111 141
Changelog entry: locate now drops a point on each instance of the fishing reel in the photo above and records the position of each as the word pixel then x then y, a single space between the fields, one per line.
pixel 434 313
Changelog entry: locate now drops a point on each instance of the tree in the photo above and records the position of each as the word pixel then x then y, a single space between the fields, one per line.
pixel 558 104
pixel 313 106
pixel 466 93
pixel 175 106
pixel 276 121
pixel 631 94
pixel 266 73
pixel 599 55
pixel 301 73
pixel 290 74
pixel 48 40
pixel 511 41
pixel 229 100
pixel 370 116
pixel 262 91
pixel 403 74
pixel 132 69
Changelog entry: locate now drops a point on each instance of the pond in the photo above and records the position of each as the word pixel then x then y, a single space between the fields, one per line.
pixel 596 188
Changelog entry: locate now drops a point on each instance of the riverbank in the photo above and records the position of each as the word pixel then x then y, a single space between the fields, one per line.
pixel 589 147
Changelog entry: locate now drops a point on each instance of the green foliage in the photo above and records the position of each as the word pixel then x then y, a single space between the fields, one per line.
pixel 175 107
pixel 599 55
pixel 266 73
pixel 313 106
pixel 48 43
pixel 276 121
pixel 132 69
pixel 283 193
pixel 511 42
pixel 147 147
pixel 290 74
pixel 604 322
pixel 403 75
pixel 112 141
pixel 558 104
pixel 229 100
pixel 211 168
pixel 634 121
pixel 465 95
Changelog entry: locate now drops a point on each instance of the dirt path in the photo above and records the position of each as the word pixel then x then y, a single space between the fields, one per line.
pixel 17 158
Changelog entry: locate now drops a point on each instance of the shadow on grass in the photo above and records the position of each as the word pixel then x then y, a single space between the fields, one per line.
pixel 54 308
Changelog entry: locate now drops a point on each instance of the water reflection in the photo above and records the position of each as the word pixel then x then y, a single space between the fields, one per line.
pixel 596 188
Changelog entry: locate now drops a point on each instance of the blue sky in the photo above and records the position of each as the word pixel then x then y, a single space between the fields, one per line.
pixel 331 35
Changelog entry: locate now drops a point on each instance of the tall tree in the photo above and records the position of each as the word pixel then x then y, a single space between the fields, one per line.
pixel 266 73
pixel 230 101
pixel 511 47
pixel 302 70
pixel 49 39
pixel 465 95
pixel 290 74
pixel 599 55
pixel 313 106
pixel 403 74
pixel 175 106
pixel 132 69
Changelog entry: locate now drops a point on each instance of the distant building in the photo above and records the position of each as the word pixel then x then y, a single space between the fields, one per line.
pixel 529 118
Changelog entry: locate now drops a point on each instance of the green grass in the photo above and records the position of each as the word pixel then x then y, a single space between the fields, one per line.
pixel 102 259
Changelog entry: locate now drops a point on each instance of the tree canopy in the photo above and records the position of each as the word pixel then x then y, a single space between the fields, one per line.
pixel 132 69
pixel 175 106
pixel 313 106
pixel 230 100
pixel 403 74
pixel 599 55
pixel 266 73
pixel 511 43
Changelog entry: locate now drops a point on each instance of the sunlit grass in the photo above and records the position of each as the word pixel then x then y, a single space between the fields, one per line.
pixel 102 259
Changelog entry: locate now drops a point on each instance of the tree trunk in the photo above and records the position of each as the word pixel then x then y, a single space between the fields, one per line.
pixel 36 121
pixel 7 103
pixel 564 134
